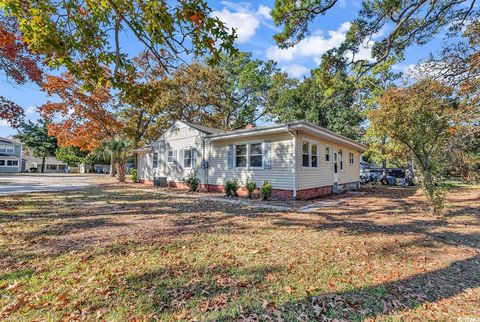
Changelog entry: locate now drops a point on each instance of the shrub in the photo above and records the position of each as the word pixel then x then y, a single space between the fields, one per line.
pixel 231 187
pixel 266 191
pixel 251 186
pixel 133 175
pixel 191 181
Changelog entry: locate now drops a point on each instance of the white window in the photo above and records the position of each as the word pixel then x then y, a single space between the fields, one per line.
pixel 351 158
pixel 155 160
pixel 2 162
pixel 241 156
pixel 170 156
pixel 256 155
pixel 327 154
pixel 306 154
pixel 6 148
pixel 187 158
pixel 12 163
pixel 249 155
pixel 314 155
pixel 309 154
pixel 340 153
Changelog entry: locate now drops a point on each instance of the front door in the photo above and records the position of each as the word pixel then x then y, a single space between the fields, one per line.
pixel 335 167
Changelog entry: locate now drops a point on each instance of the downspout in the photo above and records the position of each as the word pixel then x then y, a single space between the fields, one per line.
pixel 294 169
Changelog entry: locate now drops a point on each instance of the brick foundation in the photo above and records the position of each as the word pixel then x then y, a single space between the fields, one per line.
pixel 242 192
pixel 305 194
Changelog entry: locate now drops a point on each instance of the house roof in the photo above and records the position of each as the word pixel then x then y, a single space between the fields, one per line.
pixel 288 126
pixel 308 127
pixel 10 141
pixel 204 129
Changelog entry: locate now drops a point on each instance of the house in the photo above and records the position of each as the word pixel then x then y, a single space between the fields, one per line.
pixel 52 164
pixel 300 159
pixel 11 156
pixel 97 168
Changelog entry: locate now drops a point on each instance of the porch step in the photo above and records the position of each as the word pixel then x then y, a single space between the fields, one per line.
pixel 339 188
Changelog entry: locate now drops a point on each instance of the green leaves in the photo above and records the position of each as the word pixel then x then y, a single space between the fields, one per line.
pixel 88 37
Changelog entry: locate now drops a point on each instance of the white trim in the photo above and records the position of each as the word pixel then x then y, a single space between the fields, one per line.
pixel 247 146
pixel 327 146
pixel 294 165
pixel 173 156
pixel 332 136
pixel 310 142
pixel 191 157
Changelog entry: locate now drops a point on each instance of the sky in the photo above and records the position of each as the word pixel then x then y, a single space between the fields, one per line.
pixel 255 30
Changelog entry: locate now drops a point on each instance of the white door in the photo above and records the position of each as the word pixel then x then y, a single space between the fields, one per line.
pixel 335 167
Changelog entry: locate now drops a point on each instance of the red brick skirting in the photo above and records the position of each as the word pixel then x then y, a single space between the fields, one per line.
pixel 314 192
pixel 276 193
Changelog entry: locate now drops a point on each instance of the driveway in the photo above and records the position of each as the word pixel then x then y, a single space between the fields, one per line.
pixel 35 182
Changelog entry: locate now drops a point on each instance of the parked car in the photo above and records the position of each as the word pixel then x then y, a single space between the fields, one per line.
pixel 371 175
pixel 393 176
pixel 33 170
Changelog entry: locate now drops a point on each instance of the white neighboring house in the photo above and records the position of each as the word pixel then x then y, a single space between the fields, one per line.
pixel 300 159
pixel 97 168
pixel 10 156
pixel 52 164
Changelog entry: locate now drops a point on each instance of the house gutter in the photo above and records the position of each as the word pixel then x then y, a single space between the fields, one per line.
pixel 294 169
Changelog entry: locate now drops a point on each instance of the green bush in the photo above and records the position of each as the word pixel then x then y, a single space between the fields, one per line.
pixel 251 186
pixel 231 187
pixel 133 175
pixel 192 181
pixel 266 191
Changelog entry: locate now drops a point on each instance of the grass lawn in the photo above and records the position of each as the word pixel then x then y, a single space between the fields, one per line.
pixel 118 253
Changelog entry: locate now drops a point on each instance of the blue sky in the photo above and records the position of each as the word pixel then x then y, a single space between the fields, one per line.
pixel 255 30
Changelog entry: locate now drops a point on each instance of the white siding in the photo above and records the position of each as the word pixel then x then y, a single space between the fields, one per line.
pixel 279 175
pixel 177 139
pixel 323 174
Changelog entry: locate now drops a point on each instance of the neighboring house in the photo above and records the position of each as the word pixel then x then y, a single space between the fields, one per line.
pixel 52 164
pixel 97 168
pixel 301 160
pixel 10 156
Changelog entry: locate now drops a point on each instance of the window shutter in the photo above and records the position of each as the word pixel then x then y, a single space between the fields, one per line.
pixel 175 156
pixel 194 158
pixel 267 158
pixel 230 156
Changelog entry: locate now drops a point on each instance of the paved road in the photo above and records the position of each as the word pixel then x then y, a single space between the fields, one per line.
pixel 35 182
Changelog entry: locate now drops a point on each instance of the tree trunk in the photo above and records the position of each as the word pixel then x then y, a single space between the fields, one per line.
pixel 92 167
pixel 121 173
pixel 42 170
pixel 112 166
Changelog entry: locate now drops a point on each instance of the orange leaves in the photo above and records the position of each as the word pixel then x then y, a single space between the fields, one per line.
pixel 86 117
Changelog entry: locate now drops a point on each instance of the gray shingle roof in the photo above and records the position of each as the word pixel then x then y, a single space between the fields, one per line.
pixel 204 129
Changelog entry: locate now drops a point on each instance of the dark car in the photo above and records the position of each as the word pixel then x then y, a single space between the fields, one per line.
pixel 33 170
pixel 371 175
pixel 393 176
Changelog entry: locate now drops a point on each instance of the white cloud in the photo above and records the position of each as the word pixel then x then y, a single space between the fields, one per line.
pixel 31 110
pixel 264 11
pixel 311 47
pixel 295 70
pixel 244 23
pixel 364 52
pixel 3 123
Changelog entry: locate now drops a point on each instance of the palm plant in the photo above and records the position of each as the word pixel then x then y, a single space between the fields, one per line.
pixel 118 150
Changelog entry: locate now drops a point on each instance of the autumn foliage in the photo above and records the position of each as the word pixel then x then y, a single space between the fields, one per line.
pixel 19 65
pixel 85 117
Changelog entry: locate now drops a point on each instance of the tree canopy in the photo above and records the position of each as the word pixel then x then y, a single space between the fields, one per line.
pixel 404 23
pixel 87 36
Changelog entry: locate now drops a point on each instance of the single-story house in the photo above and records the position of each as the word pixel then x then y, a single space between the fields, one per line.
pixel 300 159
pixel 11 156
pixel 97 168
pixel 52 164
